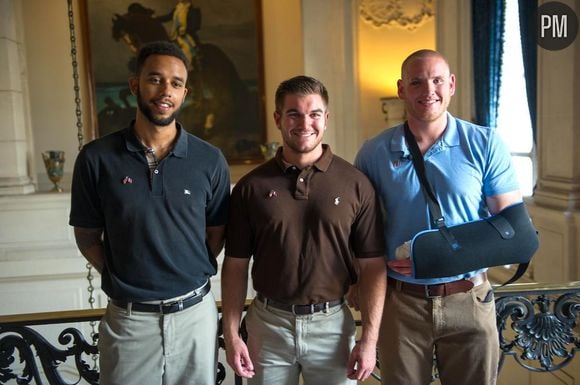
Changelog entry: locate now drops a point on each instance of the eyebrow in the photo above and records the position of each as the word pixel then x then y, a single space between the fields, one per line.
pixel 156 73
pixel 427 78
pixel 293 110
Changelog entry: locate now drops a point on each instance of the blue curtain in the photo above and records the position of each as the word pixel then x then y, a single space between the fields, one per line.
pixel 528 10
pixel 488 31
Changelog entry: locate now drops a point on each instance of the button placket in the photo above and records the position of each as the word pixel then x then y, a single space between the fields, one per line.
pixel 302 183
pixel 157 182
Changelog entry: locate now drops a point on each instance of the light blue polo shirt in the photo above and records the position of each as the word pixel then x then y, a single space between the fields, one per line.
pixel 467 164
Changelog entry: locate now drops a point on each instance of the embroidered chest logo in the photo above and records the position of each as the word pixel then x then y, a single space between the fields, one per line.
pixel 272 194
pixel 127 180
pixel 186 192
pixel 336 201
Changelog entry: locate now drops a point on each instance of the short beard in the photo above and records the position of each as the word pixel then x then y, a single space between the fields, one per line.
pixel 145 110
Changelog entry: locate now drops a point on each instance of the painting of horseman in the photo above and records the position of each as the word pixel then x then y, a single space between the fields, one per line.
pixel 221 40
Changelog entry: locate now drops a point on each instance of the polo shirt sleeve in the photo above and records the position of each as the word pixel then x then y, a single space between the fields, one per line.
pixel 499 175
pixel 86 210
pixel 367 230
pixel 218 206
pixel 238 233
pixel 360 159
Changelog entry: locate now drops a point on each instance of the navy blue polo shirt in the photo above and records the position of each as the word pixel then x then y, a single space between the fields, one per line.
pixel 154 228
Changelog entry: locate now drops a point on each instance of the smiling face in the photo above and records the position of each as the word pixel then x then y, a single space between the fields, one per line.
pixel 160 89
pixel 302 121
pixel 426 88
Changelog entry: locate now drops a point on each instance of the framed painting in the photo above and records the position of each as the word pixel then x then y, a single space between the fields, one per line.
pixel 221 39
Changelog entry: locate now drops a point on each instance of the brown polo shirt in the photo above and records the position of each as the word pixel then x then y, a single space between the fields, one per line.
pixel 303 227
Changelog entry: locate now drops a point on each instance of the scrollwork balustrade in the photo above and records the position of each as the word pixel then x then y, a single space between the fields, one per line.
pixel 537 325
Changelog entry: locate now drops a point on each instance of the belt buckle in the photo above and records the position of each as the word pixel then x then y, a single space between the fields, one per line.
pixel 312 309
pixel 165 308
pixel 198 291
pixel 427 294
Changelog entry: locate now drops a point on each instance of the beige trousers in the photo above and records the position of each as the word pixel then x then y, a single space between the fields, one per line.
pixel 284 347
pixel 155 349
pixel 459 329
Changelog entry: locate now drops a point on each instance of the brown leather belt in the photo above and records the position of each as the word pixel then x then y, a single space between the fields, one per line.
pixel 438 290
pixel 300 309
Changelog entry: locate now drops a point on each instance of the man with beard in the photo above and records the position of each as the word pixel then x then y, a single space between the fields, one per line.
pixel 470 171
pixel 149 207
pixel 303 216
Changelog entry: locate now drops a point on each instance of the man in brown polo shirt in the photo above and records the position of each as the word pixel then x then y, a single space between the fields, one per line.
pixel 304 216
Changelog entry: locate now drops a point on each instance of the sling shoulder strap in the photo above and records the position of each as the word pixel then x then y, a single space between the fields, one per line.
pixel 434 207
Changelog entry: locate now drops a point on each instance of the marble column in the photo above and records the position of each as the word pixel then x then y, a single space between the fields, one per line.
pixel 329 55
pixel 14 145
pixel 453 31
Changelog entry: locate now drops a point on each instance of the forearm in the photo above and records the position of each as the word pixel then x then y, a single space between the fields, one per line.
pixel 215 239
pixel 90 244
pixel 234 281
pixel 372 290
pixel 499 202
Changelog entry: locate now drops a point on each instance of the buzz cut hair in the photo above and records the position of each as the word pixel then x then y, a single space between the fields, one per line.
pixel 421 54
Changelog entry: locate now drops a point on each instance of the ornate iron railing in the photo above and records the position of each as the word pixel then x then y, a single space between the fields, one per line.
pixel 20 343
pixel 536 326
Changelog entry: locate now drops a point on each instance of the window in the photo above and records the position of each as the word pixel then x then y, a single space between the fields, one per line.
pixel 513 122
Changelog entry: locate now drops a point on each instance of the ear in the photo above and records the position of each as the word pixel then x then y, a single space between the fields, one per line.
pixel 133 85
pixel 185 91
pixel 451 84
pixel 277 118
pixel 400 88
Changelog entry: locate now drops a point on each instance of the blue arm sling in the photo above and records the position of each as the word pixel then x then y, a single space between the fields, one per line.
pixel 502 239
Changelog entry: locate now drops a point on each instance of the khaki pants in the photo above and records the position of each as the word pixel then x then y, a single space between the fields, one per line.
pixel 282 346
pixel 460 329
pixel 155 349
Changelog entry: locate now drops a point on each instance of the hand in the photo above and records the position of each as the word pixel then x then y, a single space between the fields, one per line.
pixel 238 358
pixel 403 251
pixel 362 361
pixel 352 296
pixel 401 266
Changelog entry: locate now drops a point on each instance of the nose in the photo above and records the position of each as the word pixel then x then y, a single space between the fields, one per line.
pixel 164 87
pixel 302 120
pixel 429 87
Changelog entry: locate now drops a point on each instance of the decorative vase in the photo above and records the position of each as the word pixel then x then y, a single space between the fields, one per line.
pixel 269 149
pixel 54 164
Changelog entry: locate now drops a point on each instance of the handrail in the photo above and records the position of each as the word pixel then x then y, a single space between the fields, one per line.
pixel 52 317
pixel 531 288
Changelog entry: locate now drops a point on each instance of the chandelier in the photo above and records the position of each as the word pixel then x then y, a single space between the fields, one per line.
pixel 408 14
